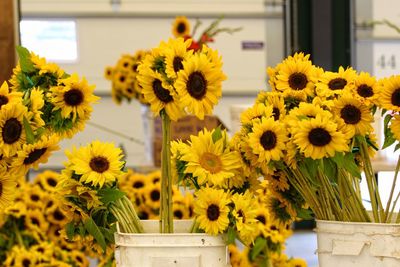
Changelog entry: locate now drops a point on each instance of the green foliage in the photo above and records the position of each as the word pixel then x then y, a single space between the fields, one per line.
pixel 231 235
pixel 30 137
pixel 92 229
pixel 217 134
pixel 259 246
pixel 25 59
pixel 108 195
pixel 346 161
pixel 389 138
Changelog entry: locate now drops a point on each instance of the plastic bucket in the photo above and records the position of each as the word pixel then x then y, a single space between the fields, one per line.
pixel 348 244
pixel 180 249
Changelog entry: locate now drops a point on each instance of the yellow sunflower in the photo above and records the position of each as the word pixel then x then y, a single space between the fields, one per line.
pixel 277 102
pixel 245 212
pixel 296 75
pixel 154 177
pixel 355 117
pixel 395 126
pixel 305 111
pixel 35 105
pixel 297 262
pixel 7 190
pixel 98 163
pixel 47 180
pixel 79 258
pixel 319 137
pixel 159 94
pixel 211 210
pixel 16 209
pixel 277 181
pixel 153 195
pixel 34 197
pixel 108 73
pixel 389 95
pixel 199 85
pixel 11 129
pixel 57 216
pixel 267 140
pixel 176 53
pixel 7 97
pixel 181 27
pixel 257 111
pixel 26 258
pixel 35 221
pixel 32 155
pixel 334 83
pixel 73 97
pixel 366 89
pixel 210 162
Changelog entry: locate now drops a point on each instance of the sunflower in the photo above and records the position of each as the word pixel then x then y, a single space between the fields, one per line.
pixel 26 258
pixel 355 116
pixel 73 97
pixel 17 209
pixel 153 196
pixel 244 212
pixel 257 111
pixel 108 73
pixel 319 137
pixel 209 161
pixel 176 53
pixel 296 75
pixel 181 27
pixel 366 89
pixel 79 258
pixel 305 111
pixel 395 126
pixel 389 95
pixel 267 140
pixel 211 210
pixel 277 181
pixel 33 154
pixel 36 104
pixel 57 216
pixel 159 94
pixel 7 97
pixel 262 216
pixel 179 210
pixel 297 262
pixel 47 180
pixel 7 190
pixel 34 197
pixel 154 177
pixel 137 181
pixel 98 163
pixel 199 85
pixel 277 102
pixel 35 221
pixel 334 83
pixel 12 129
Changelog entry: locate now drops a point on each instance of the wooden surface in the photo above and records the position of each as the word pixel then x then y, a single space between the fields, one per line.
pixel 7 39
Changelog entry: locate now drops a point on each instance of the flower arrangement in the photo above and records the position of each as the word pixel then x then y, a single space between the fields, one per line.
pixel 31 228
pixel 43 105
pixel 124 74
pixel 312 138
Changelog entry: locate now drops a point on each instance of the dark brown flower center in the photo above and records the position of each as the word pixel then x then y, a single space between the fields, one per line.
pixel 177 64
pixel 155 195
pixel 35 197
pixel 261 219
pixel 241 215
pixel 138 184
pixel 298 81
pixel 365 90
pixel 197 85
pixel 134 67
pixel 350 114
pixel 3 100
pixel 161 93
pixel 337 84
pixel 273 228
pixel 99 164
pixel 12 130
pixel 73 97
pixel 122 78
pixel 58 215
pixel 181 28
pixel 319 137
pixel 276 113
pixel 396 97
pixel 26 263
pixel 178 214
pixel 35 221
pixel 51 182
pixel 268 140
pixel 34 155
pixel 144 215
pixel 126 64
pixel 213 212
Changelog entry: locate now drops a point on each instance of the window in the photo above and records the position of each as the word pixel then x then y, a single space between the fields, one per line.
pixel 53 39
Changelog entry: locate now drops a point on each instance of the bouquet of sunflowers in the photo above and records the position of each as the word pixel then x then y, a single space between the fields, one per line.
pixel 43 105
pixel 31 229
pixel 312 138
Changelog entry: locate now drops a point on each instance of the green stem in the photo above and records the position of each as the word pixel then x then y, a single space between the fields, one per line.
pixel 392 190
pixel 166 178
pixel 135 218
pixel 195 227
pixel 18 235
pixel 121 220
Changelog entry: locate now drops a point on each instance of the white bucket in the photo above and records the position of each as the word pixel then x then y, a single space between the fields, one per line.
pixel 348 244
pixel 180 249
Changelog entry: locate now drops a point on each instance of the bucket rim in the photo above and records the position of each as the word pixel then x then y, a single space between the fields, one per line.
pixel 357 223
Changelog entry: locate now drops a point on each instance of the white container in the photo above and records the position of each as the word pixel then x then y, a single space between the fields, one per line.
pixel 180 249
pixel 347 244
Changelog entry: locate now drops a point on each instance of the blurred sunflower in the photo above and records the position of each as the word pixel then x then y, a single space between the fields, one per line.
pixel 245 212
pixel 152 196
pixel 395 126
pixel 73 97
pixel 8 186
pixel 47 180
pixel 181 27
pixel 108 73
pixel 297 262
pixel 98 163
pixel 79 258
pixel 35 221
pixel 389 95
pixel 199 85
pixel 211 210
pixel 319 137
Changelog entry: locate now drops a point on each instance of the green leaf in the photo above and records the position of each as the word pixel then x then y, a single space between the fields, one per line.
pixel 217 134
pixel 339 159
pixel 383 112
pixel 231 235
pixel 305 214
pixel 108 234
pixel 351 166
pixel 92 228
pixel 389 138
pixel 397 147
pixel 70 229
pixel 311 166
pixel 25 59
pixel 258 247
pixel 330 169
pixel 108 195
pixel 30 137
